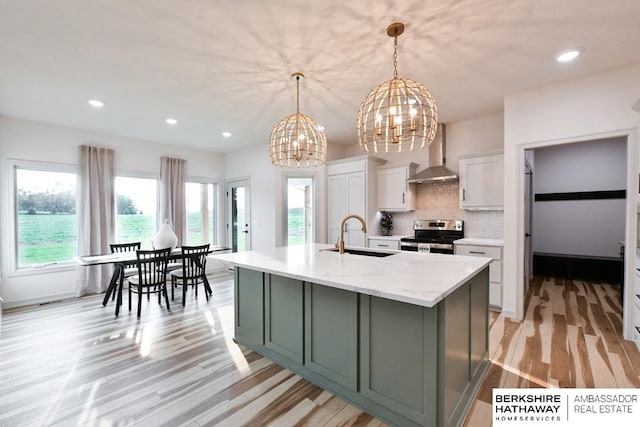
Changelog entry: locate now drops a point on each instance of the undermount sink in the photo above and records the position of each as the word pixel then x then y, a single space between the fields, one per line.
pixel 364 252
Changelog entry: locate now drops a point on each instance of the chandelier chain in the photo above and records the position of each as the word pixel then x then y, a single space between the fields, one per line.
pixel 298 94
pixel 297 135
pixel 395 57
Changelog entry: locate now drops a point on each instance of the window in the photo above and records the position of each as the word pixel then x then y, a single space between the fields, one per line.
pixel 46 231
pixel 136 202
pixel 299 210
pixel 202 213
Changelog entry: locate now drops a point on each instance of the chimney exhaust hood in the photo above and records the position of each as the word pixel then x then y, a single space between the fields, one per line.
pixel 437 172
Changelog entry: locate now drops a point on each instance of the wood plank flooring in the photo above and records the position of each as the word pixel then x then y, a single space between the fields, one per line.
pixel 73 363
pixel 571 337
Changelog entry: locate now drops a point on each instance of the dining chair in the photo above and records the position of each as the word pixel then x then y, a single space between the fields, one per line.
pixel 151 277
pixel 125 271
pixel 193 271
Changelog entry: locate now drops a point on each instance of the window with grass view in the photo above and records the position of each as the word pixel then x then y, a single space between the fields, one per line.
pixel 201 213
pixel 136 202
pixel 299 210
pixel 46 217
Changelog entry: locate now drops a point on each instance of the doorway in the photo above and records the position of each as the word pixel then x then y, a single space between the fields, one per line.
pixel 575 203
pixel 239 215
pixel 528 209
pixel 300 210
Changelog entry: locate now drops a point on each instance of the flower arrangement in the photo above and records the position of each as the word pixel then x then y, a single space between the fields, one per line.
pixel 386 223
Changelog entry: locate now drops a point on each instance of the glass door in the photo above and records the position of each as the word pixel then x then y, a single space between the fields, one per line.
pixel 239 215
pixel 300 221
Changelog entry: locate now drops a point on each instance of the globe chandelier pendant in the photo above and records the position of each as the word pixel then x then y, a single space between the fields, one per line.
pixel 297 140
pixel 398 115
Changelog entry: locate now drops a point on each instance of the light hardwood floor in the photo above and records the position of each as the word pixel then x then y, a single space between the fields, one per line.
pixel 73 363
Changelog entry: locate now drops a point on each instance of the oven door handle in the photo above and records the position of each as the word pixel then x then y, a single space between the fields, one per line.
pixel 409 244
pixel 440 245
pixel 431 245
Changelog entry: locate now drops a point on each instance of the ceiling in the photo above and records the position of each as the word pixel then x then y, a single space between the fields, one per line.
pixel 225 65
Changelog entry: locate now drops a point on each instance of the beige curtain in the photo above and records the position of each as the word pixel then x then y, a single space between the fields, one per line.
pixel 95 206
pixel 172 204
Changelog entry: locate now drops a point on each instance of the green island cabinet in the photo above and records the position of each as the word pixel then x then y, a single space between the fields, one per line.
pixel 406 364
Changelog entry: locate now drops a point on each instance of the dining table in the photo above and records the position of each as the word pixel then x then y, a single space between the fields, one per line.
pixel 122 260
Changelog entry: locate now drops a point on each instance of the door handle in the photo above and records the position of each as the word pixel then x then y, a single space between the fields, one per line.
pixel 527 234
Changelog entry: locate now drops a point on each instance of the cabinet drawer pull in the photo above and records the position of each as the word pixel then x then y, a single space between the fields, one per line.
pixel 477 252
pixel 464 195
pixel 382 246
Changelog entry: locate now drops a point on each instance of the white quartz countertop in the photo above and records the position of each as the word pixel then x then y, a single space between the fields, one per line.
pixel 417 278
pixel 479 242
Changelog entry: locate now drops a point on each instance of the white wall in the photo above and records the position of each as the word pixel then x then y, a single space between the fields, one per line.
pixel 28 140
pixel 254 163
pixel 470 137
pixel 267 191
pixel 580 227
pixel 593 107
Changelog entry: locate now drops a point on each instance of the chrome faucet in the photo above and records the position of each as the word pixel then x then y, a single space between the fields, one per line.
pixel 340 244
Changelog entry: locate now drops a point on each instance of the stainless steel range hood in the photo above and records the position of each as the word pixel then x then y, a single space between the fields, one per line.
pixel 437 172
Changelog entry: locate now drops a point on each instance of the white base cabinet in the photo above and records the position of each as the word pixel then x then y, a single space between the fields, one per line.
pixel 384 242
pixel 491 249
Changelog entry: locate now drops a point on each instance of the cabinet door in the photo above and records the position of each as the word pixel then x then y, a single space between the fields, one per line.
pixel 331 333
pixel 356 204
pixel 284 316
pixel 337 189
pixel 479 321
pixel 249 306
pixel 392 189
pixel 347 195
pixel 399 357
pixel 482 182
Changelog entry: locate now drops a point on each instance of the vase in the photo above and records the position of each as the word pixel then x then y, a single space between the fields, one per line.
pixel 165 237
pixel 386 231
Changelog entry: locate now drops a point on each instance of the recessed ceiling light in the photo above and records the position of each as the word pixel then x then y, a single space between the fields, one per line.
pixel 171 121
pixel 96 103
pixel 226 134
pixel 568 55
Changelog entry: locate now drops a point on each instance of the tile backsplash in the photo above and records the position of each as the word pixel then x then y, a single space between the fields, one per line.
pixel 440 201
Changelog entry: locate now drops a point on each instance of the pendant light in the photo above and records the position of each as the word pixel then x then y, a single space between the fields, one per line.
pixel 397 115
pixel 297 139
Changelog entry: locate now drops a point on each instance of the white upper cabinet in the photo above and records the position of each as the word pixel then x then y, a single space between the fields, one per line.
pixel 393 192
pixel 482 182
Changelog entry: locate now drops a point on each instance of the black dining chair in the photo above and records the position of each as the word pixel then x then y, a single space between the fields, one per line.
pixel 151 277
pixel 125 272
pixel 193 271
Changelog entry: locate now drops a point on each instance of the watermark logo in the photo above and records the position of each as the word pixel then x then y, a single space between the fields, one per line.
pixel 565 407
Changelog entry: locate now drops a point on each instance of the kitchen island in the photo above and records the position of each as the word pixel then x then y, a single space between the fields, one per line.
pixel 404 337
